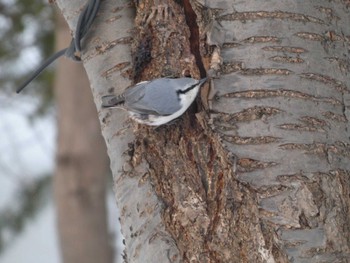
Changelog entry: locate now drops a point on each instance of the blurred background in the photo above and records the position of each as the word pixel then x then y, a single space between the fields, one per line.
pixel 56 197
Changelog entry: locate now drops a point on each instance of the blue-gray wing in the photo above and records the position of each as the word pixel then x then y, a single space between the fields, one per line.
pixel 157 97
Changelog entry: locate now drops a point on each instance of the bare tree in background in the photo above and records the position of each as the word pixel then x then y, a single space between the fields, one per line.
pixel 82 165
pixel 263 176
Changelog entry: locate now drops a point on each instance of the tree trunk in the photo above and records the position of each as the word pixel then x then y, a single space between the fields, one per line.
pixel 263 176
pixel 82 165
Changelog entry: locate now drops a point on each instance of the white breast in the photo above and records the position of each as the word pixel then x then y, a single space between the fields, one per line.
pixel 154 120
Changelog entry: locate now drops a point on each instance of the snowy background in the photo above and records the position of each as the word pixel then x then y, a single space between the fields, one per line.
pixel 27 150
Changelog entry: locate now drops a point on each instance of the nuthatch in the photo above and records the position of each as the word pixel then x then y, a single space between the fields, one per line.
pixel 156 102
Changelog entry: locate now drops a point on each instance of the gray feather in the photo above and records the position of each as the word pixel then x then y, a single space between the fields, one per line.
pixel 112 100
pixel 161 97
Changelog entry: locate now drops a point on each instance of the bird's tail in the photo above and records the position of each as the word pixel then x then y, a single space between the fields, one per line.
pixel 112 100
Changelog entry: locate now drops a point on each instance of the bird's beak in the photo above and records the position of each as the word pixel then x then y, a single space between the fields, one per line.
pixel 201 81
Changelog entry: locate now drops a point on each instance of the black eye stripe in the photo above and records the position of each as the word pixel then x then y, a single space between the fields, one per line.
pixel 187 90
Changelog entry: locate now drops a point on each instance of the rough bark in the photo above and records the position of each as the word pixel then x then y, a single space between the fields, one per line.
pixel 261 177
pixel 282 108
pixel 82 165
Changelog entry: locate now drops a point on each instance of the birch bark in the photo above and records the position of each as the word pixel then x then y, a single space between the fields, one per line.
pixel 259 170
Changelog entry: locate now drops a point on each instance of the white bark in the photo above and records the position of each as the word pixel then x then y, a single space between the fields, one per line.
pixel 282 108
pixel 107 61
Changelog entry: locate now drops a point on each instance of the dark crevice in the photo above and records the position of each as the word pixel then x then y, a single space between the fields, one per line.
pixel 191 21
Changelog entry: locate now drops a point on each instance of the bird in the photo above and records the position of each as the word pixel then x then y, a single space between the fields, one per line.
pixel 85 21
pixel 158 101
